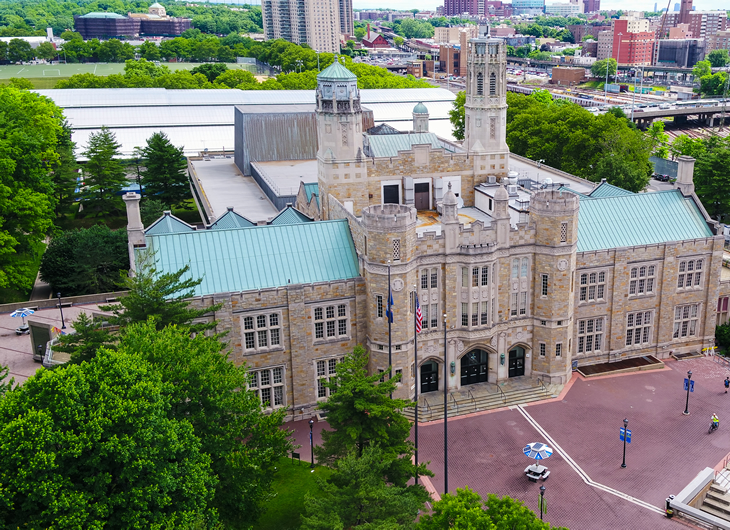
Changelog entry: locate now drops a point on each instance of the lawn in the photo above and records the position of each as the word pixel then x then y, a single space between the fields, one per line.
pixel 291 482
pixel 45 76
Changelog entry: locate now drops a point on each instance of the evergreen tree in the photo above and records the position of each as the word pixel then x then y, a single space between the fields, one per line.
pixel 65 171
pixel 162 297
pixel 362 413
pixel 104 175
pixel 88 337
pixel 165 177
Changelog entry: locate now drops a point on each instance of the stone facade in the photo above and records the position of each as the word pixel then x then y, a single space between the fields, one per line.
pixel 500 299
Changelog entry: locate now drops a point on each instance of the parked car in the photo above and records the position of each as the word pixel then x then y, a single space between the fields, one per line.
pixel 662 178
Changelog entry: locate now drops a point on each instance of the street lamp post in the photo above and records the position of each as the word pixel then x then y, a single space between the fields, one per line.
pixel 311 444
pixel 415 377
pixel 626 426
pixel 446 414
pixel 542 501
pixel 689 384
pixel 60 308
pixel 618 54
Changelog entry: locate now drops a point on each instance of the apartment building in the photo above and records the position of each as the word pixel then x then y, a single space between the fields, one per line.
pixel 313 22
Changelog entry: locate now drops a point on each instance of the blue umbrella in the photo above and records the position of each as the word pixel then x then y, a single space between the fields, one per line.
pixel 22 312
pixel 538 451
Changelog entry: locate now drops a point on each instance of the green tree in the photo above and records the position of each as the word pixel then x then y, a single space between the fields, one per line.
pixel 144 68
pixel 718 58
pixel 242 79
pixel 457 116
pixel 587 37
pixel 398 41
pixel 466 511
pixel 28 149
pixel 244 443
pixel 85 261
pixel 93 446
pixel 598 69
pixel 165 176
pixel 701 69
pixel 357 495
pixel 3 50
pixel 65 170
pixel 360 33
pixel 150 51
pixel 722 337
pixel 658 139
pixel 21 83
pixel 104 176
pixel 620 172
pixel 19 51
pixel 46 51
pixel 163 297
pixel 210 70
pixel 542 95
pixel 715 84
pixel 362 413
pixel 89 335
pixel 711 178
pixel 684 145
pixel 151 210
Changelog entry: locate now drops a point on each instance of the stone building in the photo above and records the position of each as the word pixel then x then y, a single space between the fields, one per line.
pixel 517 279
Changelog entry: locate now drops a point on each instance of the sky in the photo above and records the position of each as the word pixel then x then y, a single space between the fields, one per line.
pixel 430 5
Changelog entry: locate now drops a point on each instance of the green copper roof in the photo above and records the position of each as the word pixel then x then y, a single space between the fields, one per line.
pixel 101 14
pixel 290 215
pixel 604 189
pixel 231 219
pixel 336 72
pixel 420 108
pixel 259 257
pixel 638 219
pixel 168 224
pixel 389 144
pixel 312 189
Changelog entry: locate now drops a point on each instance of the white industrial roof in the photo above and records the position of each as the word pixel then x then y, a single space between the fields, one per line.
pixel 200 119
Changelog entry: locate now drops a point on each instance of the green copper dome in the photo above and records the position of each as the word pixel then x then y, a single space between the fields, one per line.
pixel 336 72
pixel 420 109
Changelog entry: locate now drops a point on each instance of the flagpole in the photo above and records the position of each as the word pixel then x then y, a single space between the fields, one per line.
pixel 415 373
pixel 446 415
pixel 390 319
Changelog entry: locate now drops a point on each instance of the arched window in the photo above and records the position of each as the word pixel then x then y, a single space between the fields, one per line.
pixel 492 84
pixel 480 84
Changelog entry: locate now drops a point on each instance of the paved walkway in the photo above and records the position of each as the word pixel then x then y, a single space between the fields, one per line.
pixel 587 488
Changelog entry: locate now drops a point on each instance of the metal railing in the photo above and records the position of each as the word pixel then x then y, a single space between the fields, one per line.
pixel 428 408
pixel 543 386
pixel 472 399
pixel 504 396
pixel 455 403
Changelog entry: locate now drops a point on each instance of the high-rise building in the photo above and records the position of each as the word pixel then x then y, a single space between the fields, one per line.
pixel 528 7
pixel 718 41
pixel 633 41
pixel 313 22
pixel 591 6
pixel 702 24
pixel 347 26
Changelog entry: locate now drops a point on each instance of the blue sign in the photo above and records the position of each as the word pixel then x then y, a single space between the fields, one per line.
pixel 628 435
pixel 691 385
pixel 310 436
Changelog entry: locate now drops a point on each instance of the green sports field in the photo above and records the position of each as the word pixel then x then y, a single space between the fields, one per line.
pixel 47 75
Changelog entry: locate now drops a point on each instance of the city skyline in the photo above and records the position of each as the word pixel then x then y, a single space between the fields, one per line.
pixel 430 5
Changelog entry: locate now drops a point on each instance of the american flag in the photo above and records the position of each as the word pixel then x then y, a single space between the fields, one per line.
pixel 419 316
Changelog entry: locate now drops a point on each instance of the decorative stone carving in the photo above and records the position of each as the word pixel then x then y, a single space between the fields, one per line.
pixel 518 335
pixel 493 342
pixel 460 346
pixel 397 285
pixel 562 264
pixel 475 295
pixel 434 297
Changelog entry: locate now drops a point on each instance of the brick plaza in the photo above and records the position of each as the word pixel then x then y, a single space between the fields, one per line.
pixel 667 450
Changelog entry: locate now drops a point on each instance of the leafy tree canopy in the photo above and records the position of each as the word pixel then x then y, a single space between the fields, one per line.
pixel 85 261
pixel 357 495
pixel 718 58
pixel 93 446
pixel 598 69
pixel 702 68
pixel 29 139
pixel 466 511
pixel 711 178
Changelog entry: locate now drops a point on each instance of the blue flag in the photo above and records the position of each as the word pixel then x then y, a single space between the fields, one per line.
pixel 389 312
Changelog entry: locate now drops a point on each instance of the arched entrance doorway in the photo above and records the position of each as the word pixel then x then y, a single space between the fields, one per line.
pixel 517 361
pixel 474 367
pixel 429 377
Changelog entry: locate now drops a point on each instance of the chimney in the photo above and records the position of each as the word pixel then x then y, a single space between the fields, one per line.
pixel 135 228
pixel 368 30
pixel 685 174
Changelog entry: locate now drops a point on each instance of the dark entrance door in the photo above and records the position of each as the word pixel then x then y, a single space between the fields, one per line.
pixel 429 377
pixel 422 191
pixel 474 367
pixel 390 194
pixel 517 362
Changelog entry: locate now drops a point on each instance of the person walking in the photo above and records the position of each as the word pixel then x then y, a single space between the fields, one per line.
pixel 727 384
